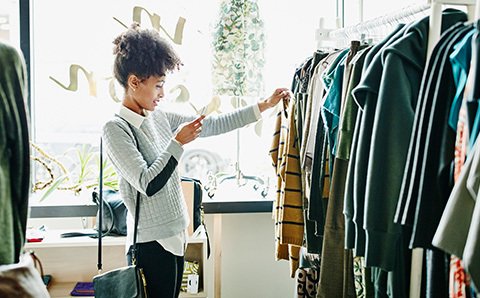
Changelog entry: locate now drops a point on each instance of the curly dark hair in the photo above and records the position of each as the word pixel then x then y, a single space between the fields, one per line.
pixel 144 53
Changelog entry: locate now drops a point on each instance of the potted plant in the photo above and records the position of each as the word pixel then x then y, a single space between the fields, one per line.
pixel 76 171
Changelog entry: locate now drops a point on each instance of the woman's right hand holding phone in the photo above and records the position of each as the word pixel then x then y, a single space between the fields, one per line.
pixel 189 131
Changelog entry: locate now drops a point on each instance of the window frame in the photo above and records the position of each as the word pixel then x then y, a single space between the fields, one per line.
pixel 24 11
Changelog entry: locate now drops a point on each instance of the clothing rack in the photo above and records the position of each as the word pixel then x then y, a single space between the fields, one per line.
pixel 436 18
pixel 322 35
pixel 365 29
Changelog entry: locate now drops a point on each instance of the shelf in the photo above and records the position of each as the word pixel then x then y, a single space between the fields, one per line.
pixel 74 259
pixel 187 295
pixel 63 289
pixel 53 239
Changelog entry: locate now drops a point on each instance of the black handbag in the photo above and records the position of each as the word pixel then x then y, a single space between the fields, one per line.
pixel 128 281
pixel 114 221
pixel 197 202
pixel 198 213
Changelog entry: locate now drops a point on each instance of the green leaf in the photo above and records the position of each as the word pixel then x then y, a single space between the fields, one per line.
pixel 85 155
pixel 53 187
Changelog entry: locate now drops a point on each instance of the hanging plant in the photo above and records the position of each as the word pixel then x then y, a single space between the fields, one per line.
pixel 238 50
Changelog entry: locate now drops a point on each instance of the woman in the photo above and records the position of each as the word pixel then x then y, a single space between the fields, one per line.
pixel 145 145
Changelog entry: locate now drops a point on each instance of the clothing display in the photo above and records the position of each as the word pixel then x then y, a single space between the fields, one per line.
pixel 383 130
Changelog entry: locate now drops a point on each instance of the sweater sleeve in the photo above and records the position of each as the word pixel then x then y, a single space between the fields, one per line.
pixel 218 124
pixel 130 164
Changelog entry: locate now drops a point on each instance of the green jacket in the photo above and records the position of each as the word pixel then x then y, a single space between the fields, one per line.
pixel 365 95
pixel 403 65
pixel 14 154
pixel 387 97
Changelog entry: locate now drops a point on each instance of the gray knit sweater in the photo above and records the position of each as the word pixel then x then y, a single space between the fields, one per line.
pixel 163 214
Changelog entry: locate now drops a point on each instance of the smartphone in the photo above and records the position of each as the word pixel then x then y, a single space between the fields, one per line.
pixel 203 111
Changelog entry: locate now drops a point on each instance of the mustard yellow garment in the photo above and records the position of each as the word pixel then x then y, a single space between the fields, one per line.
pixel 288 207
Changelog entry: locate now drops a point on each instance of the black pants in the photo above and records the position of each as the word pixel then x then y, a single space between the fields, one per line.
pixel 163 270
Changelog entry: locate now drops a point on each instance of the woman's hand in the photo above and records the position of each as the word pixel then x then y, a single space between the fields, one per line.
pixel 278 94
pixel 189 131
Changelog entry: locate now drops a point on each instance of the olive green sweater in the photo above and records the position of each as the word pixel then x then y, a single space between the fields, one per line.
pixel 14 154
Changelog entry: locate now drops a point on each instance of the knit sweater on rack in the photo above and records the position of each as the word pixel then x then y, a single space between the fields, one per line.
pixel 288 211
pixel 163 214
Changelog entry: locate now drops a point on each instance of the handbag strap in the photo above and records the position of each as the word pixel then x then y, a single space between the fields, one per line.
pixel 137 208
pixel 96 200
pixel 134 245
pixel 37 263
pixel 100 209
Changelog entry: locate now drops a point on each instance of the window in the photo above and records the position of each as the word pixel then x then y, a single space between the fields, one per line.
pixel 9 22
pixel 73 92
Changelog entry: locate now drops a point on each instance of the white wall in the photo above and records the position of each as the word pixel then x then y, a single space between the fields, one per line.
pixel 248 267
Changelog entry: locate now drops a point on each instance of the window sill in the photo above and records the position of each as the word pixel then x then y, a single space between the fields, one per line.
pixel 62 204
pixel 210 207
pixel 45 211
pixel 83 207
pixel 53 239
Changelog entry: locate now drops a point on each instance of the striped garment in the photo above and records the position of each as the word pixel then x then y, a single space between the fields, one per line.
pixel 288 207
